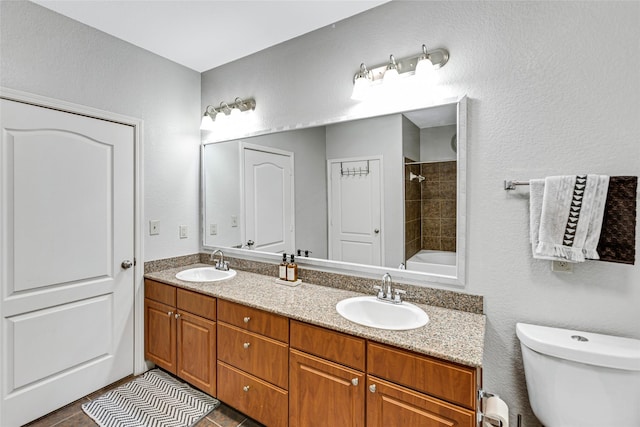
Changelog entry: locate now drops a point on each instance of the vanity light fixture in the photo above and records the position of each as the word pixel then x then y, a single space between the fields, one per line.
pixel 212 113
pixel 422 65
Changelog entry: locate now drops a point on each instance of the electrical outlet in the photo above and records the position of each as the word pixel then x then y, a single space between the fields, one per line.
pixel 213 229
pixel 154 227
pixel 184 231
pixel 561 267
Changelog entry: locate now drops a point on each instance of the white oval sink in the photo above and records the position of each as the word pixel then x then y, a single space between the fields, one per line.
pixel 370 311
pixel 205 274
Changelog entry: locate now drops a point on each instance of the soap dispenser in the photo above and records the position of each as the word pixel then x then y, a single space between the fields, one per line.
pixel 292 270
pixel 282 271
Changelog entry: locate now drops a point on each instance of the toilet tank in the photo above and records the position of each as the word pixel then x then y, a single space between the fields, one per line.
pixel 581 379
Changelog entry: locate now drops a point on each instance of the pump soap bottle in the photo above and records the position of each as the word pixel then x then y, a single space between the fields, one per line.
pixel 292 270
pixel 282 271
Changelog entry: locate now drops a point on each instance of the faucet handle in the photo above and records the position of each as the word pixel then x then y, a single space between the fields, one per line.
pixel 380 291
pixel 397 294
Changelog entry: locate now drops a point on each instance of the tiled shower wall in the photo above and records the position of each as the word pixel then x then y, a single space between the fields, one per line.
pixel 412 212
pixel 430 208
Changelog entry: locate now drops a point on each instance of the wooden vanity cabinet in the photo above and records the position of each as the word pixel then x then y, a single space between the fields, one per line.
pixel 283 372
pixel 180 333
pixel 326 378
pixel 253 362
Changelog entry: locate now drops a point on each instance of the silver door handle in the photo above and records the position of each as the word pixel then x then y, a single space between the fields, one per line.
pixel 126 264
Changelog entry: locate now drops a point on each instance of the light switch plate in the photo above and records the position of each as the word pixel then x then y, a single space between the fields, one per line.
pixel 234 221
pixel 154 227
pixel 213 229
pixel 184 231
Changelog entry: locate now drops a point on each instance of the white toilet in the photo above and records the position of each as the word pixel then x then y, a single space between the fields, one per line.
pixel 581 379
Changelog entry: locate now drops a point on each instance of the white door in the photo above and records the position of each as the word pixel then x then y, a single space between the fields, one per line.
pixel 355 206
pixel 268 200
pixel 66 227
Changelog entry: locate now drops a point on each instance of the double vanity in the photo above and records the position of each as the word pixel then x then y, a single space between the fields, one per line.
pixel 285 356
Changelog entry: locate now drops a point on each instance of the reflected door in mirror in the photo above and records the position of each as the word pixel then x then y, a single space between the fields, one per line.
pixel 268 199
pixel 355 211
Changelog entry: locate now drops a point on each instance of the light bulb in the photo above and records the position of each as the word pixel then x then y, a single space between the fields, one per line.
pixel 424 69
pixel 361 89
pixel 207 122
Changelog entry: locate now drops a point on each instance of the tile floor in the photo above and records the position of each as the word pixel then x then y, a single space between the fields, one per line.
pixel 72 414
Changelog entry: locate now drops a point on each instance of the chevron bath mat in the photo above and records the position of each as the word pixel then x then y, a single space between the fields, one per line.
pixel 154 399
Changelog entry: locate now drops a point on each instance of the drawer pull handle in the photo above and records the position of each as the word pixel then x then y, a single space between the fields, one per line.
pixel 246 319
pixel 245 388
pixel 246 345
pixel 372 388
pixel 354 381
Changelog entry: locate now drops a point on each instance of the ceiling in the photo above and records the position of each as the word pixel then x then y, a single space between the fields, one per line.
pixel 205 34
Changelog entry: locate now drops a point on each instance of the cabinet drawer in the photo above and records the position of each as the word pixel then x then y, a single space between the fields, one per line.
pixel 195 303
pixel 260 356
pixel 387 403
pixel 254 320
pixel 330 345
pixel 446 380
pixel 160 292
pixel 258 399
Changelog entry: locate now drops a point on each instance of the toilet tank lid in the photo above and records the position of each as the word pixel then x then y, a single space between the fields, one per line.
pixel 600 350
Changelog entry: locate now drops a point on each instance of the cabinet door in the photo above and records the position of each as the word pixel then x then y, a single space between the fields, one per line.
pixel 391 405
pixel 196 349
pixel 323 393
pixel 160 334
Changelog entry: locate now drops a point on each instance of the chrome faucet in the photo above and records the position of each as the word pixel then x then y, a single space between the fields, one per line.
pixel 386 283
pixel 220 264
pixel 387 292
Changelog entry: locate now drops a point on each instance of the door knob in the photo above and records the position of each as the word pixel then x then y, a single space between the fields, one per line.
pixel 126 264
pixel 377 230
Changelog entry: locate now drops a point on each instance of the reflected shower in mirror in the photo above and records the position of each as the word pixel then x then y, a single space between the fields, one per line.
pixel 379 192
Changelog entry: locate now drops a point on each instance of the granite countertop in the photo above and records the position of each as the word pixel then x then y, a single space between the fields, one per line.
pixel 453 335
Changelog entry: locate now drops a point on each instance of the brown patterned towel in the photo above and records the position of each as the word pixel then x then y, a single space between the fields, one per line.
pixel 618 235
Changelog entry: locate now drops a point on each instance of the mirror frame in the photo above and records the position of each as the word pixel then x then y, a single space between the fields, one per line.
pixel 363 270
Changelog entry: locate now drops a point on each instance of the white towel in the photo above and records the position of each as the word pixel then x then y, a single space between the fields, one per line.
pixel 570 219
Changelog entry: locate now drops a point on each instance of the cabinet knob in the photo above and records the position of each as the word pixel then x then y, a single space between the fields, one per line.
pixel 354 381
pixel 177 315
pixel 372 388
pixel 246 319
pixel 169 313
pixel 245 388
pixel 246 345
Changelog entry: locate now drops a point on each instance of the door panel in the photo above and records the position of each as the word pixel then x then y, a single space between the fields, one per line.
pixel 66 225
pixel 55 333
pixel 49 173
pixel 355 212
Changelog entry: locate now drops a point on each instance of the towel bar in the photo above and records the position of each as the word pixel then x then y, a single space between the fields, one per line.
pixel 511 185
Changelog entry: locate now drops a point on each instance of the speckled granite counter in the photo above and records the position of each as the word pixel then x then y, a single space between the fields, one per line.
pixel 452 335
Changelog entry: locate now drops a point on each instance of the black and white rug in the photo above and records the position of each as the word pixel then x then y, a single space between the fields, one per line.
pixel 155 399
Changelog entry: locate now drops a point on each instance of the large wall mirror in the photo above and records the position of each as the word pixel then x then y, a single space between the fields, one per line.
pixel 366 196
